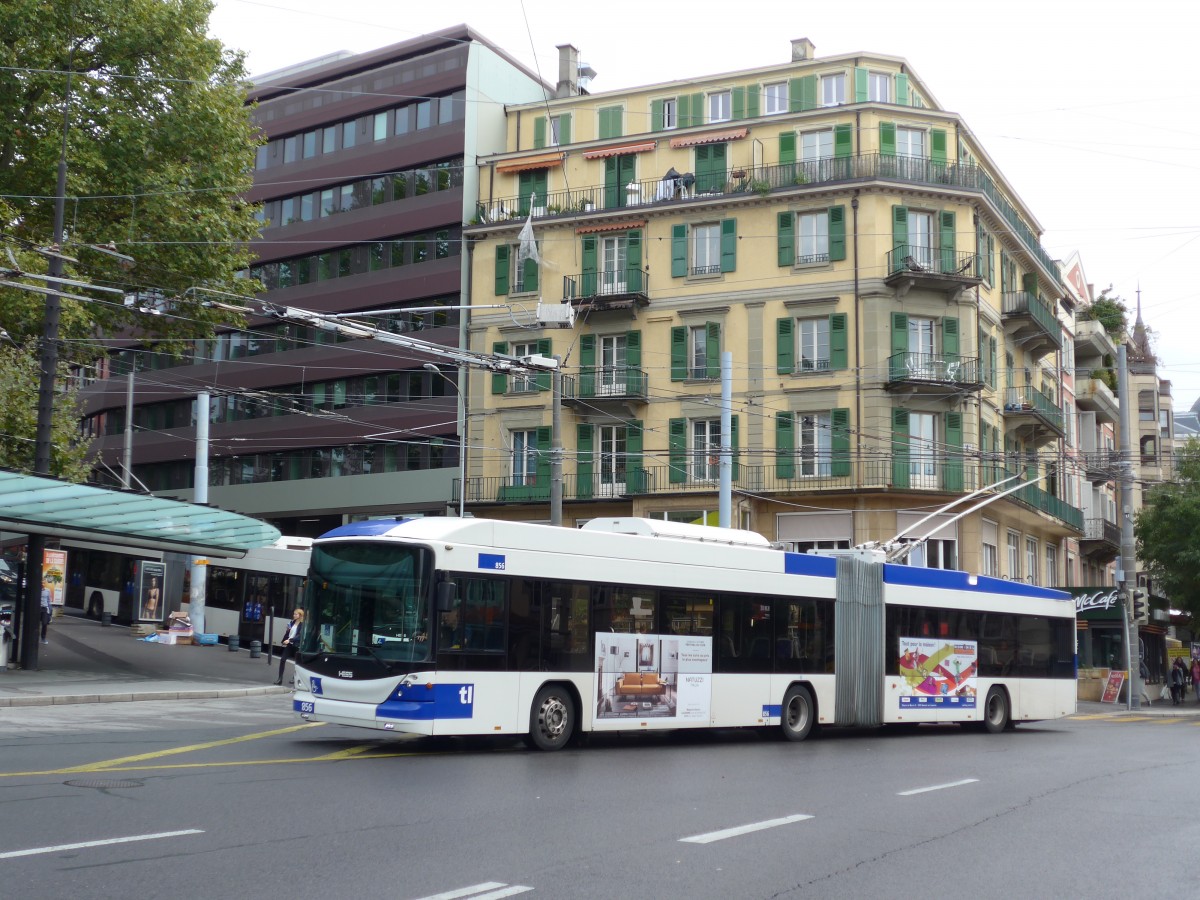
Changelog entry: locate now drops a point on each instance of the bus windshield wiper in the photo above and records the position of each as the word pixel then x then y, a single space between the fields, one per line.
pixel 379 659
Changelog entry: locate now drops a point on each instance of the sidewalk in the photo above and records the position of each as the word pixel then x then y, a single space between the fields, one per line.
pixel 1159 709
pixel 86 662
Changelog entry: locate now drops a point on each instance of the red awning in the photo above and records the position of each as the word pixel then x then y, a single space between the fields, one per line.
pixel 620 150
pixel 541 161
pixel 611 226
pixel 713 137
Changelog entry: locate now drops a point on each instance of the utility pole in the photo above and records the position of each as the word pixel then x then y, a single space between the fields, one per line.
pixel 725 473
pixel 556 447
pixel 1127 574
pixel 198 585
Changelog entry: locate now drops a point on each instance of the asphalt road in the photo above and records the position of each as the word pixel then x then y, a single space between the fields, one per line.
pixel 222 797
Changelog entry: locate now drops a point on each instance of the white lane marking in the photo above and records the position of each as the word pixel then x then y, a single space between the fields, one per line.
pixel 12 854
pixel 937 787
pixel 496 889
pixel 510 891
pixel 741 829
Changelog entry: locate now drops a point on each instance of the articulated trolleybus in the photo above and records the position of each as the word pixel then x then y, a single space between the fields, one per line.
pixel 470 627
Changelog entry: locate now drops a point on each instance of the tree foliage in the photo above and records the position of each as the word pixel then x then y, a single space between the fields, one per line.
pixel 1112 313
pixel 18 417
pixel 1167 527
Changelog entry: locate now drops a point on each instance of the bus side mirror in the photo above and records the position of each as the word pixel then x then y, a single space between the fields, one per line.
pixel 447 599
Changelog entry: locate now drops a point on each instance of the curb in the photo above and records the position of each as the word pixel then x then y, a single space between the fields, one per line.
pixel 71 699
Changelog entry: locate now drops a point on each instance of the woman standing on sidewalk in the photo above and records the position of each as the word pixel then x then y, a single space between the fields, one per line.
pixel 291 640
pixel 1196 677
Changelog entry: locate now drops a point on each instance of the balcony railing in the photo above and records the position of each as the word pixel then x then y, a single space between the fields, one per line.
pixel 1028 399
pixel 936 369
pixel 797 474
pixel 629 283
pixel 1023 306
pixel 1097 529
pixel 917 260
pixel 766 179
pixel 605 382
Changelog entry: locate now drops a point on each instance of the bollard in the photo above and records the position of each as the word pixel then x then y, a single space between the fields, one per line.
pixel 105 619
pixel 255 649
pixel 233 642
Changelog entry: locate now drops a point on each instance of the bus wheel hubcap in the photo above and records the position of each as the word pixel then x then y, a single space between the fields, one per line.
pixel 554 715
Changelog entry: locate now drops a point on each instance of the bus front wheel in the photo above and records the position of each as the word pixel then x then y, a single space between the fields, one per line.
pixel 553 718
pixel 796 716
pixel 995 711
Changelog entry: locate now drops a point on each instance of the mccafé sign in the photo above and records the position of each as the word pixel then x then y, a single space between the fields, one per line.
pixel 1104 599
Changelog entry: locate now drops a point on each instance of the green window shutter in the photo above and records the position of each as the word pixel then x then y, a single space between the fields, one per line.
pixel 543 379
pixel 949 336
pixel 539 132
pixel 679 353
pixel 733 446
pixel 502 269
pixel 541 466
pixel 902 89
pixel 633 260
pixel 839 442
pixel 752 101
pixel 683 111
pixel 794 92
pixel 679 255
pixel 982 345
pixel 1004 285
pixel 787 147
pixel 860 85
pixel 633 349
pixel 738 102
pixel 992 361
pixel 838 341
pixel 589 265
pixel 712 349
pixel 802 93
pixel 587 365
pixel 635 467
pixel 899 235
pixel 887 138
pixel 584 464
pixel 937 145
pixel 697 109
pixel 843 141
pixel 785 446
pixel 531 186
pixel 991 260
pixel 614 194
pixel 785 345
pixel 899 333
pixel 530 275
pixel 947 241
pixel 900 448
pixel 729 245
pixel 499 379
pixel 656 115
pixel 677 451
pixel 564 129
pixel 786 231
pixel 610 122
pixel 1029 283
pixel 837 232
pixel 952 475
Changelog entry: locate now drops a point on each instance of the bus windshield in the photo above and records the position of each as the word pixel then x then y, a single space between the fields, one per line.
pixel 368 600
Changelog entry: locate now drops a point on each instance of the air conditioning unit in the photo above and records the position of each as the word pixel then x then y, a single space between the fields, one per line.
pixel 559 315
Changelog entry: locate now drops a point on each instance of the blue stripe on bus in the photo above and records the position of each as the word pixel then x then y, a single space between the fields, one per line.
pixel 493 561
pixel 419 703
pixel 365 528
pixel 808 564
pixel 948 579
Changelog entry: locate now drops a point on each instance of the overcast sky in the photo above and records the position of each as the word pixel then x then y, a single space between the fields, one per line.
pixel 1089 109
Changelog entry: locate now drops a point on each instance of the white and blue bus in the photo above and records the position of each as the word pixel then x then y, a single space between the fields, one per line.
pixel 470 627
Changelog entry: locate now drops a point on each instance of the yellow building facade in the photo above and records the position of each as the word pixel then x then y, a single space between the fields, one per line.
pixel 892 317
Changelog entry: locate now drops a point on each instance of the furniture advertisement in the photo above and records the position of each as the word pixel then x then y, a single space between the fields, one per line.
pixel 665 677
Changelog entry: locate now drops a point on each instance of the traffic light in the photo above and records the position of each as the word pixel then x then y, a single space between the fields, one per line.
pixel 1141 606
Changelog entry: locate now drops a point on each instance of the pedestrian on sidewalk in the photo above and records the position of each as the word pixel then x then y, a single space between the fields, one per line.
pixel 291 640
pixel 47 612
pixel 1196 677
pixel 1177 682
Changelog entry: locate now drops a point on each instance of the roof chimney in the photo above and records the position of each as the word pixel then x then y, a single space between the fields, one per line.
pixel 568 71
pixel 802 48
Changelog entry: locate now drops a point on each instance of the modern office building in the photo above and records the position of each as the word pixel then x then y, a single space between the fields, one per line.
pixel 896 327
pixel 366 177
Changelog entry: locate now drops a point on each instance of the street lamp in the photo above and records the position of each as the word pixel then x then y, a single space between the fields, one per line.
pixel 462 434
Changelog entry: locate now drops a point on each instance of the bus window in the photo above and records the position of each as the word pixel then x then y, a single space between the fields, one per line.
pixel 631 609
pixel 744 643
pixel 477 621
pixel 566 605
pixel 686 612
pixel 804 636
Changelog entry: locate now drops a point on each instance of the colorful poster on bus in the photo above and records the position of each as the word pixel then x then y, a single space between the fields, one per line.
pixel 938 673
pixel 653 676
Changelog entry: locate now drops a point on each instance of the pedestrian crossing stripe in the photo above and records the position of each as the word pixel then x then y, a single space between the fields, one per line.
pixel 488 890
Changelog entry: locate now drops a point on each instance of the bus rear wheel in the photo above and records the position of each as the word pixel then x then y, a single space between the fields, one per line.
pixel 995 711
pixel 552 719
pixel 95 605
pixel 796 715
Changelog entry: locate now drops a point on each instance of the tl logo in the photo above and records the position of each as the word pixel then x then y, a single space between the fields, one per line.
pixel 466 694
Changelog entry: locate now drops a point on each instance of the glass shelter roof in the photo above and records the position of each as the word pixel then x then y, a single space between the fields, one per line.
pixel 35 505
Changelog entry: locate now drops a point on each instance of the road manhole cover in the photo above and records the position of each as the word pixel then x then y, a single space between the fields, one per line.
pixel 104 783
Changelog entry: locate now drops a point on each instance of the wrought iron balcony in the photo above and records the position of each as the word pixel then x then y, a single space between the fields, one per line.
pixel 913 265
pixel 598 383
pixel 1031 322
pixel 1102 466
pixel 608 288
pixel 763 180
pixel 1037 418
pixel 1101 540
pixel 934 371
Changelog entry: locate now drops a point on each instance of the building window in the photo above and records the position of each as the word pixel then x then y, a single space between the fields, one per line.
pixel 380 130
pixel 932 554
pixel 813 446
pixel 991 560
pixel 812 243
pixel 706 249
pixel 424 114
pixel 698 351
pixel 805 546
pixel 349 132
pixel 1031 560
pixel 614 268
pixel 524 457
pixel 310 144
pixel 879 87
pixel 1051 565
pixel 706 449
pixel 775 98
pixel 910 142
pixel 521 382
pixel 816 145
pixel 812 344
pixel 669 114
pixel 719 107
pixel 833 89
pixel 920 238
pixel 1014 556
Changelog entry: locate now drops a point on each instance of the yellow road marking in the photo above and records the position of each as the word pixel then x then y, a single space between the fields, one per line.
pixel 349 752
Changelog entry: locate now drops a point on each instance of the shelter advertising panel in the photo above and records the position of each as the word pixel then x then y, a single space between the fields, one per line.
pixel 938 673
pixel 151 577
pixel 54 574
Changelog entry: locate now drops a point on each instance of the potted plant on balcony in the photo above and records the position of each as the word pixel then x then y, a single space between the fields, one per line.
pixel 760 186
